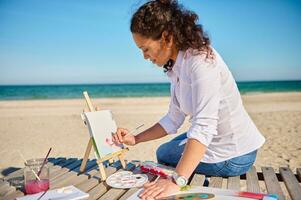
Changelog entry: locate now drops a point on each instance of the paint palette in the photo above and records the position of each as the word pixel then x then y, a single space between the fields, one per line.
pixel 126 179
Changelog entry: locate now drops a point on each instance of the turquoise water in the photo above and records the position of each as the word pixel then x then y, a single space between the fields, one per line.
pixel 127 90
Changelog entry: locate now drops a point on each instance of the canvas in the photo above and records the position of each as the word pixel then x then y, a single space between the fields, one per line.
pixel 101 127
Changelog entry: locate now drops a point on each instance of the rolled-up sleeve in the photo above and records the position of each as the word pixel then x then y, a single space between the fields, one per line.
pixel 173 120
pixel 205 86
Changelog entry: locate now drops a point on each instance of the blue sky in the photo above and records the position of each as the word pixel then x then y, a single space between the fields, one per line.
pixel 79 41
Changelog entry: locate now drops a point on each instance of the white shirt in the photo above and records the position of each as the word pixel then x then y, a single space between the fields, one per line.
pixel 205 90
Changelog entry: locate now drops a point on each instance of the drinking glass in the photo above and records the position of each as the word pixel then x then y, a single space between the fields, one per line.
pixel 32 169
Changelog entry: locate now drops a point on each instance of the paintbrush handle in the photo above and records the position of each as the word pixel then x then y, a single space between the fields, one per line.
pixel 134 129
pixel 44 162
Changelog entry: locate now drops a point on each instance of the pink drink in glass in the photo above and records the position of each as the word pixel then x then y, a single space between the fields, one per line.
pixel 36 186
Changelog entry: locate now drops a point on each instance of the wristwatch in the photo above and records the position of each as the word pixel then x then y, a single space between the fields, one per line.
pixel 179 180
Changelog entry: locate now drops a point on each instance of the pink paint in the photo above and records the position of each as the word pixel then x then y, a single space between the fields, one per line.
pixel 260 196
pixel 111 143
pixel 154 170
pixel 36 186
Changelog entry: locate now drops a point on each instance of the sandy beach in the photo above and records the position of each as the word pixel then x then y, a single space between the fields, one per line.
pixel 35 125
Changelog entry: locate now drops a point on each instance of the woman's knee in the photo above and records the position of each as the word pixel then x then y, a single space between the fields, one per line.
pixel 169 153
pixel 161 153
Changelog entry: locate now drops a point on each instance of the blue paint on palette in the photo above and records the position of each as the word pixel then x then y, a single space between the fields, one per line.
pixel 204 196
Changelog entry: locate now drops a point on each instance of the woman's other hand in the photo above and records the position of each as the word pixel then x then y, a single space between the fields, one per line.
pixel 159 189
pixel 122 136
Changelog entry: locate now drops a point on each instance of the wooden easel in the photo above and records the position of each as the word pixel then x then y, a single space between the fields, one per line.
pixel 109 157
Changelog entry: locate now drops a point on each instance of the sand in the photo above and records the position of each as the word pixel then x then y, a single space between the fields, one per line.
pixel 34 126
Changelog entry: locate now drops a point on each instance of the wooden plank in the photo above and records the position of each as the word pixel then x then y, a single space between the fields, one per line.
pixel 96 178
pixel 271 182
pixel 63 178
pixel 291 182
pixel 67 178
pixel 100 189
pixel 197 179
pixel 67 162
pixel 93 186
pixel 72 174
pixel 90 165
pixel 72 178
pixel 12 182
pixel 55 161
pixel 112 194
pixel 60 168
pixel 3 184
pixel 4 189
pixel 57 174
pixel 233 183
pixel 252 181
pixel 53 171
pixel 14 174
pixel 97 191
pixel 216 182
pixel 90 183
pixel 6 171
pixel 83 176
pixel 128 193
pixel 7 190
pixel 74 165
pixel 14 195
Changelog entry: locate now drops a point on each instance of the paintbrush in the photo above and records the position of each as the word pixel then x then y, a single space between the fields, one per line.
pixel 157 179
pixel 44 162
pixel 135 129
pixel 132 130
pixel 35 174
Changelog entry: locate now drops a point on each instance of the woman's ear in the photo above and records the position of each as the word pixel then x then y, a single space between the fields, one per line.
pixel 167 39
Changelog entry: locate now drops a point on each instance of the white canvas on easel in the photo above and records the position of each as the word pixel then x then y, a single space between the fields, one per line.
pixel 101 127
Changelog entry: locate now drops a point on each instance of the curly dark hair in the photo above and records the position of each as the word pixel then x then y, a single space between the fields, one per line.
pixel 157 16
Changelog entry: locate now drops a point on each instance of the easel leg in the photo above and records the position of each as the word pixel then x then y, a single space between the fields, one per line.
pixel 122 161
pixel 102 171
pixel 85 159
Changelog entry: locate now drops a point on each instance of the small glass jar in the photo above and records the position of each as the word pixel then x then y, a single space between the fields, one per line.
pixel 33 169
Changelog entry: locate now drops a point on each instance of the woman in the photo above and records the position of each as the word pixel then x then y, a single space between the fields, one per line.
pixel 222 139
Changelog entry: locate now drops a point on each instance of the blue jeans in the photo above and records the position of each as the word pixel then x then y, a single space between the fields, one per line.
pixel 170 153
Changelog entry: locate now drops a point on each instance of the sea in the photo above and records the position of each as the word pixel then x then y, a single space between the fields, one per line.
pixel 73 91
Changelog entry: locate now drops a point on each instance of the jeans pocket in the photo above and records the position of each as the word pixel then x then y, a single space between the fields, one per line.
pixel 243 161
pixel 237 170
pixel 237 166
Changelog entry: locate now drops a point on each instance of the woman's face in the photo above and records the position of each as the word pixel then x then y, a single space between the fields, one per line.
pixel 154 50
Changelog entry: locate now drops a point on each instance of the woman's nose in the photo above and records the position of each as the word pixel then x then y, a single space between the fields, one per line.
pixel 145 56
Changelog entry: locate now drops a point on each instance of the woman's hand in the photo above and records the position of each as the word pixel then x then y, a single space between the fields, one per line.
pixel 122 136
pixel 159 189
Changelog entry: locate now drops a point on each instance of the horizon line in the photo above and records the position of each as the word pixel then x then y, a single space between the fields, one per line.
pixel 132 83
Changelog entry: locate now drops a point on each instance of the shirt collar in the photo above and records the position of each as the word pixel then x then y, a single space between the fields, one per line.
pixel 175 68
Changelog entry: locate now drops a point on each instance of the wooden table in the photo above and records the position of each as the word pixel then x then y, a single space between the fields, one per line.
pixel 64 172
